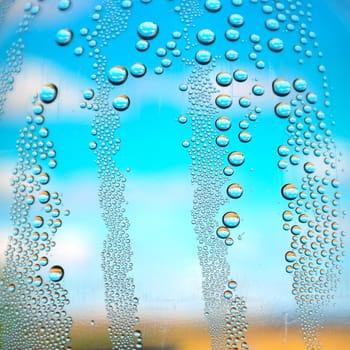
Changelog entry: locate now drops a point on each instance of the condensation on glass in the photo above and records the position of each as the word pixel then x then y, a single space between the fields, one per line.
pixel 230 60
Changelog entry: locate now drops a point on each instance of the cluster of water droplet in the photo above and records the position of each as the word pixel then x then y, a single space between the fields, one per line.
pixel 312 215
pixel 316 248
pixel 111 19
pixel 14 54
pixel 33 301
pixel 208 158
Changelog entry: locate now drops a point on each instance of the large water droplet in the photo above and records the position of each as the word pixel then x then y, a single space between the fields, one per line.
pixel 117 75
pixel 223 123
pixel 240 75
pixel 272 24
pixel 224 78
pixel 289 191
pixel 212 5
pixel 64 5
pixel 148 30
pixel 234 191
pixel 48 93
pixel 223 101
pixel 276 45
pixel 222 232
pixel 290 257
pixel 121 102
pixel 283 110
pixel 138 70
pixel 281 87
pixel 64 37
pixel 300 85
pixel 231 219
pixel 236 20
pixel 203 56
pixel 56 273
pixel 236 158
pixel 206 36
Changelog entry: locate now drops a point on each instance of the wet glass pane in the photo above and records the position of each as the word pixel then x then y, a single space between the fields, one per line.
pixel 174 175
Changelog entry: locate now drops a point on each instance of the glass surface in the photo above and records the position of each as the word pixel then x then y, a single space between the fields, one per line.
pixel 174 174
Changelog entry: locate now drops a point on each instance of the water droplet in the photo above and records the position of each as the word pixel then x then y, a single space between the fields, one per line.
pixel 48 93
pixel 287 215
pixel 289 191
pixel 281 87
pixel 311 97
pixel 224 79
pixel 228 171
pixel 245 136
pixel 148 30
pixel 222 232
pixel 240 75
pixel 272 24
pixel 206 36
pixel 182 119
pixel 117 75
pixel 88 94
pixel 309 167
pixel 142 45
pixel 231 55
pixel 300 85
pixel 38 221
pixel 64 37
pixel 227 294
pixel 258 90
pixel 64 5
pixel 38 281
pixel 234 191
pixel 236 158
pixel 222 140
pixel 223 123
pixel 203 56
pixel 138 70
pixel 236 20
pixel 56 273
pixel 212 5
pixel 283 110
pixel 244 102
pixel 126 4
pixel 223 101
pixel 121 102
pixel 290 257
pixel 237 2
pixel 232 34
pixel 276 45
pixel 44 197
pixel 232 284
pixel 231 219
